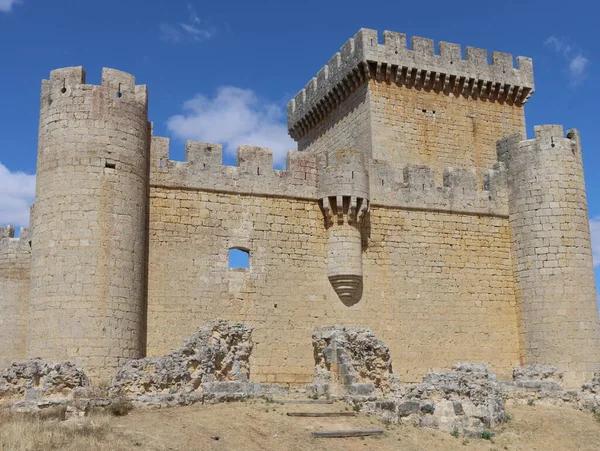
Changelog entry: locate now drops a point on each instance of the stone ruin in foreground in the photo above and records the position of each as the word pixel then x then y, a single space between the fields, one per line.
pixel 415 208
pixel 350 364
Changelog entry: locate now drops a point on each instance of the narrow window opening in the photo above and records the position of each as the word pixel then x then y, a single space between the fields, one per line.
pixel 160 163
pixel 305 176
pixel 423 186
pixel 119 93
pixel 239 258
pixel 64 88
pixel 352 174
pixel 110 165
pixel 204 166
pixel 381 182
pixel 257 171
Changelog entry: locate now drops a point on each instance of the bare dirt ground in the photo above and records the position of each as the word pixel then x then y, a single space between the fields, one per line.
pixel 260 425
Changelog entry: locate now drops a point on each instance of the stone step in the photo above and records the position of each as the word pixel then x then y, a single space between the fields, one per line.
pixel 321 414
pixel 349 433
pixel 304 401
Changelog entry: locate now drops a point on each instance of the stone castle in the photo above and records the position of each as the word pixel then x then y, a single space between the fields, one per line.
pixel 414 207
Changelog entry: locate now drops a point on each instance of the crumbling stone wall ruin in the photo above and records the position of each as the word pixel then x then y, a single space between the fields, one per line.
pixel 352 359
pixel 354 365
pixel 36 378
pixel 466 400
pixel 211 366
pixel 351 365
pixel 219 352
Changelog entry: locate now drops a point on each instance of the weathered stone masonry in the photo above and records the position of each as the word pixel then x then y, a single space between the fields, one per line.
pixel 88 265
pixel 15 261
pixel 399 214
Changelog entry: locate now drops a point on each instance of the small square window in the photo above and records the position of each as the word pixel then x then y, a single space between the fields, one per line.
pixel 239 258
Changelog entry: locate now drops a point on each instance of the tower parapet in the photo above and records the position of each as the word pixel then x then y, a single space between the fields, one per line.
pixel 89 229
pixel 15 260
pixel 362 58
pixel 552 251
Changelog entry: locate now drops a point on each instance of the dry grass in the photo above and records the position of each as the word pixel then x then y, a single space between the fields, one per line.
pixel 120 407
pixel 47 431
pixel 259 425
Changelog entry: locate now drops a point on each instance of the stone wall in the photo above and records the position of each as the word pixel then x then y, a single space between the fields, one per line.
pixel 404 126
pixel 15 261
pixel 411 126
pixel 400 126
pixel 438 287
pixel 347 126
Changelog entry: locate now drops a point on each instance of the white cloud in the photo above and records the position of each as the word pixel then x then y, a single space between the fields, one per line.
pixel 577 64
pixel 6 5
pixel 169 32
pixel 234 117
pixel 595 231
pixel 18 192
pixel 193 29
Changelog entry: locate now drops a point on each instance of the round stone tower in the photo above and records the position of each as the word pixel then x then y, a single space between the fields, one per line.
pixel 344 193
pixel 88 269
pixel 552 252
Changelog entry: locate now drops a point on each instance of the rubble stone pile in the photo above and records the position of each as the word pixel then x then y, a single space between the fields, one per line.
pixel 466 400
pixel 219 352
pixel 38 378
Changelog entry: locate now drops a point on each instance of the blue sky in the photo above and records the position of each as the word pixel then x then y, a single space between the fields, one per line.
pixel 224 70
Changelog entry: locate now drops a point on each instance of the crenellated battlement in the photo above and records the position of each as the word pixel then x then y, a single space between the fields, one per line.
pixel 414 187
pixel 362 58
pixel 65 82
pixel 308 177
pixel 253 174
pixel 9 245
pixel 546 138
